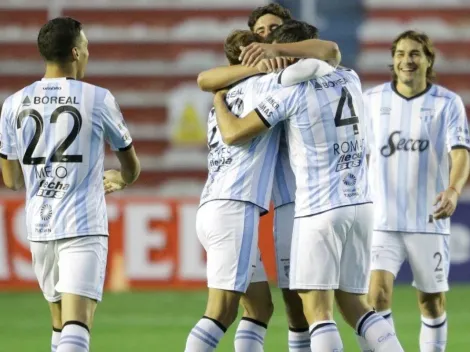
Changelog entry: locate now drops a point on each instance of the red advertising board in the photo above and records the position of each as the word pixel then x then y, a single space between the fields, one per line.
pixel 152 244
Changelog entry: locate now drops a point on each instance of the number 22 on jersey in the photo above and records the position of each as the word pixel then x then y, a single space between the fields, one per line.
pixel 58 155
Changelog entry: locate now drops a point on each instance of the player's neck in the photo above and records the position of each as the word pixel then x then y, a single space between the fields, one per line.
pixel 56 71
pixel 412 89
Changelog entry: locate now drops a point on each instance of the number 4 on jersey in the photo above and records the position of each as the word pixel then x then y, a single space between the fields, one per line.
pixel 354 119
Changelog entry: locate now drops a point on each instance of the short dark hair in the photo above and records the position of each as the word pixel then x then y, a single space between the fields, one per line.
pixel 428 49
pixel 57 38
pixel 292 31
pixel 271 9
pixel 235 40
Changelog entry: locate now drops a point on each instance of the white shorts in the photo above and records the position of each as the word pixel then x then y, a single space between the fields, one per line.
pixel 72 265
pixel 228 231
pixel 283 226
pixel 331 250
pixel 428 255
pixel 259 275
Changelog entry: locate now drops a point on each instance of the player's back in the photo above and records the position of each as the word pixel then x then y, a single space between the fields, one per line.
pixel 326 143
pixel 244 171
pixel 57 129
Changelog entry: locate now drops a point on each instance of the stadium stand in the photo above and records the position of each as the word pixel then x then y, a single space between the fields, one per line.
pixel 144 51
pixel 140 50
pixel 446 22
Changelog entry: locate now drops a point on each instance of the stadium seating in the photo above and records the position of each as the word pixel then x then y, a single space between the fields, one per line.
pixel 141 52
pixel 446 22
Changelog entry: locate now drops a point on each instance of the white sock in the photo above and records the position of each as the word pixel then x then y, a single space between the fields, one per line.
pixel 250 336
pixel 205 336
pixel 433 335
pixel 299 340
pixel 75 337
pixel 324 337
pixel 387 315
pixel 55 339
pixel 378 333
pixel 363 345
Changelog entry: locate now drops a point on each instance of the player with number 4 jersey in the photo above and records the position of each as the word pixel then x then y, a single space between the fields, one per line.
pixel 238 189
pixel 330 255
pixel 52 136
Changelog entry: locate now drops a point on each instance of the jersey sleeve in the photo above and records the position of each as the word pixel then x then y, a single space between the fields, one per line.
pixel 303 71
pixel 457 128
pixel 279 106
pixel 7 134
pixel 115 128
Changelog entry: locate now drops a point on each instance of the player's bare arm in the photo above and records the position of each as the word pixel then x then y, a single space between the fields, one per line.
pixel 312 48
pixel 224 76
pixel 130 165
pixel 459 172
pixel 233 129
pixel 12 174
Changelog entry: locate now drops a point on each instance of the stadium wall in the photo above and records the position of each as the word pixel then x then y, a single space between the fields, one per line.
pixel 153 245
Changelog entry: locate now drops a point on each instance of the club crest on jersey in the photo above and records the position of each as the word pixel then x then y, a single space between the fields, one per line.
pixel 385 111
pixel 426 115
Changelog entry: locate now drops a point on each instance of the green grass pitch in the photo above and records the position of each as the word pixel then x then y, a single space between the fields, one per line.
pixel 161 320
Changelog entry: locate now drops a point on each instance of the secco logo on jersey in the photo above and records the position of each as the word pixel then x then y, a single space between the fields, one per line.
pixel 55 186
pixel 396 143
pixel 350 154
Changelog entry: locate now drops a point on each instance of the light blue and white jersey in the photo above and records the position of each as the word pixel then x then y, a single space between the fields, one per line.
pixel 56 129
pixel 284 179
pixel 409 140
pixel 243 172
pixel 325 137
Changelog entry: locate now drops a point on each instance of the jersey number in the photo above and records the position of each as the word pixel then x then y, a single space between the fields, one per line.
pixel 438 256
pixel 236 105
pixel 354 119
pixel 211 143
pixel 58 155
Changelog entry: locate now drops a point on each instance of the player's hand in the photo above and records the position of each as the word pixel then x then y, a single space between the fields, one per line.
pixel 272 65
pixel 113 181
pixel 220 96
pixel 252 54
pixel 447 201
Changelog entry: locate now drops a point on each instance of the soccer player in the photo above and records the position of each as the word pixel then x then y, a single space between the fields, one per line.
pixel 330 255
pixel 263 21
pixel 413 128
pixel 52 135
pixel 238 189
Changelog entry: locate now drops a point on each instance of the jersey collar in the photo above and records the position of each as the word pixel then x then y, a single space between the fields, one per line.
pixel 394 88
pixel 59 79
